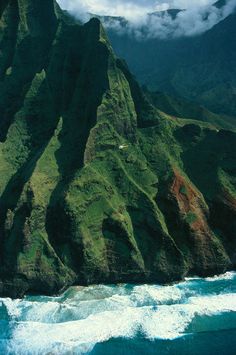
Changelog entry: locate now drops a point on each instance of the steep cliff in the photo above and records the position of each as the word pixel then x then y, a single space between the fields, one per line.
pixel 97 185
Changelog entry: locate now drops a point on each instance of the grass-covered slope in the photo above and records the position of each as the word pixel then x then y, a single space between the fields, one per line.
pixel 184 109
pixel 96 185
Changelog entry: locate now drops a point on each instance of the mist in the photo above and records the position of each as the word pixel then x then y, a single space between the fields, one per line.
pixel 148 19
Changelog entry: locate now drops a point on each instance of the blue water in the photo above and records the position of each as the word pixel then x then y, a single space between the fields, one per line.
pixel 194 317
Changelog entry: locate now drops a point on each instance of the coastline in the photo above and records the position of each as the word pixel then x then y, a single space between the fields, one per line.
pixel 17 289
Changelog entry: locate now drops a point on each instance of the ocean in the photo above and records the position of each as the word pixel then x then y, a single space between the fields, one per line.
pixel 193 317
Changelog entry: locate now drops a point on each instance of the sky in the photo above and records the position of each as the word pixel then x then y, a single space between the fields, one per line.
pixel 200 15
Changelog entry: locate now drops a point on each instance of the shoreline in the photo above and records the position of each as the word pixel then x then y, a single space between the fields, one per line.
pixel 20 294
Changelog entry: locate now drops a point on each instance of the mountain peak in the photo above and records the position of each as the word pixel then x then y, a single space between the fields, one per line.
pixel 37 16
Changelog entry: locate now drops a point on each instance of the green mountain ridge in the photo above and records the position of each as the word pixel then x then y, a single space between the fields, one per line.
pixel 96 184
pixel 184 109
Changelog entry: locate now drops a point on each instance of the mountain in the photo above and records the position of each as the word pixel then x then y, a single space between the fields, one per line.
pixel 199 68
pixel 96 184
pixel 184 109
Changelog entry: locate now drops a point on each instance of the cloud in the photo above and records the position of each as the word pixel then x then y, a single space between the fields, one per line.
pixel 128 9
pixel 198 15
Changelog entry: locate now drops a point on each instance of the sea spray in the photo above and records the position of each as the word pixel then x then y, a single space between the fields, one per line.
pixel 82 318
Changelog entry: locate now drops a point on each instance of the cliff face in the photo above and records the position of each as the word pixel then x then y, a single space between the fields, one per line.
pixel 97 185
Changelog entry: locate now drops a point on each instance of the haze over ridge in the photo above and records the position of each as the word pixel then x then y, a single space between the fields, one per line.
pixel 198 17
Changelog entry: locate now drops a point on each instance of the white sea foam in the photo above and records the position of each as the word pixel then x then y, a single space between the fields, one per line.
pixel 230 275
pixel 156 295
pixel 40 337
pixel 81 318
pixel 12 307
pixel 215 304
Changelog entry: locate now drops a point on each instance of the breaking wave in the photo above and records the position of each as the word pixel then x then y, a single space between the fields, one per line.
pixel 81 318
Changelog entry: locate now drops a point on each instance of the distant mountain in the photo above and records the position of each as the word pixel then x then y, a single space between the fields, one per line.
pixel 199 68
pixel 96 184
pixel 179 107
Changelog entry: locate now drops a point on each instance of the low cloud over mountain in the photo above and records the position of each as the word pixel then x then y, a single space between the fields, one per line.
pixel 197 17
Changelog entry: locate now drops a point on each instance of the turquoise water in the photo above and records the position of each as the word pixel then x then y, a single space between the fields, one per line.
pixel 197 316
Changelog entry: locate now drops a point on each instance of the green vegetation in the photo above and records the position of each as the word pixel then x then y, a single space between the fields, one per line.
pixel 96 184
pixel 179 109
pixel 183 190
pixel 191 217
